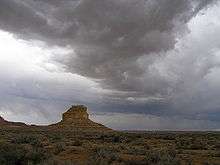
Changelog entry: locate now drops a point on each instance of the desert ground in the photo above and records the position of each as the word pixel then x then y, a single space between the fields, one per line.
pixel 46 146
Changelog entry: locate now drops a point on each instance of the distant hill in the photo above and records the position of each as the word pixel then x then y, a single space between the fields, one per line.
pixel 4 122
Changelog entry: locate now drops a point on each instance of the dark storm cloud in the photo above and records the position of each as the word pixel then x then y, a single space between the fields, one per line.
pixel 108 37
pixel 127 46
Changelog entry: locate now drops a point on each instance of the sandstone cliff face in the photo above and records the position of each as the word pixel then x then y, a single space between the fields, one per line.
pixel 77 118
pixel 75 113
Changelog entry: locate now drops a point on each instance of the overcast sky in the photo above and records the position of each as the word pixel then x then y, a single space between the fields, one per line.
pixel 136 64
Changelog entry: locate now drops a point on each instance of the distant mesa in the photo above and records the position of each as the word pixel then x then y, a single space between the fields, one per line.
pixel 77 117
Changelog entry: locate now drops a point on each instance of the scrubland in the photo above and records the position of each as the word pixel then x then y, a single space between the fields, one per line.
pixel 44 146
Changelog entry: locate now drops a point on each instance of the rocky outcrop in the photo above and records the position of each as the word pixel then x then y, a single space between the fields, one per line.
pixel 75 113
pixel 77 118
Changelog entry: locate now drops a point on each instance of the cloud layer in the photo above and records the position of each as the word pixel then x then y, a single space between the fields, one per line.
pixel 156 57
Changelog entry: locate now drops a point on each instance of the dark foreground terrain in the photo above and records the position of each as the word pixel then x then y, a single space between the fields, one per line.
pixel 49 146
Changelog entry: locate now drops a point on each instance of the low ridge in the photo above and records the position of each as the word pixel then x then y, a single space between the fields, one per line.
pixel 4 122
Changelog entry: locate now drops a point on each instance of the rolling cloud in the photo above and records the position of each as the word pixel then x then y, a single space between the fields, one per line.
pixel 156 57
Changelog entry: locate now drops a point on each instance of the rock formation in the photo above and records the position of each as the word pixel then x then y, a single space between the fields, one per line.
pixel 75 113
pixel 77 118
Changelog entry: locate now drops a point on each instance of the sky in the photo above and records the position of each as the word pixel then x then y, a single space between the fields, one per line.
pixel 136 64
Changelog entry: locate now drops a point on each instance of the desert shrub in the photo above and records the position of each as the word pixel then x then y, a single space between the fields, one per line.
pixel 162 157
pixel 217 145
pixel 168 137
pixel 12 154
pixel 189 162
pixel 59 147
pixel 77 143
pixel 119 138
pixel 116 139
pixel 137 150
pixel 191 143
pixel 133 138
pixel 36 155
pixel 156 157
pixel 102 137
pixel 55 161
pixel 54 136
pixel 183 143
pixel 19 154
pixel 113 137
pixel 133 162
pixel 199 145
pixel 27 139
pixel 140 142
pixel 103 156
pixel 209 163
